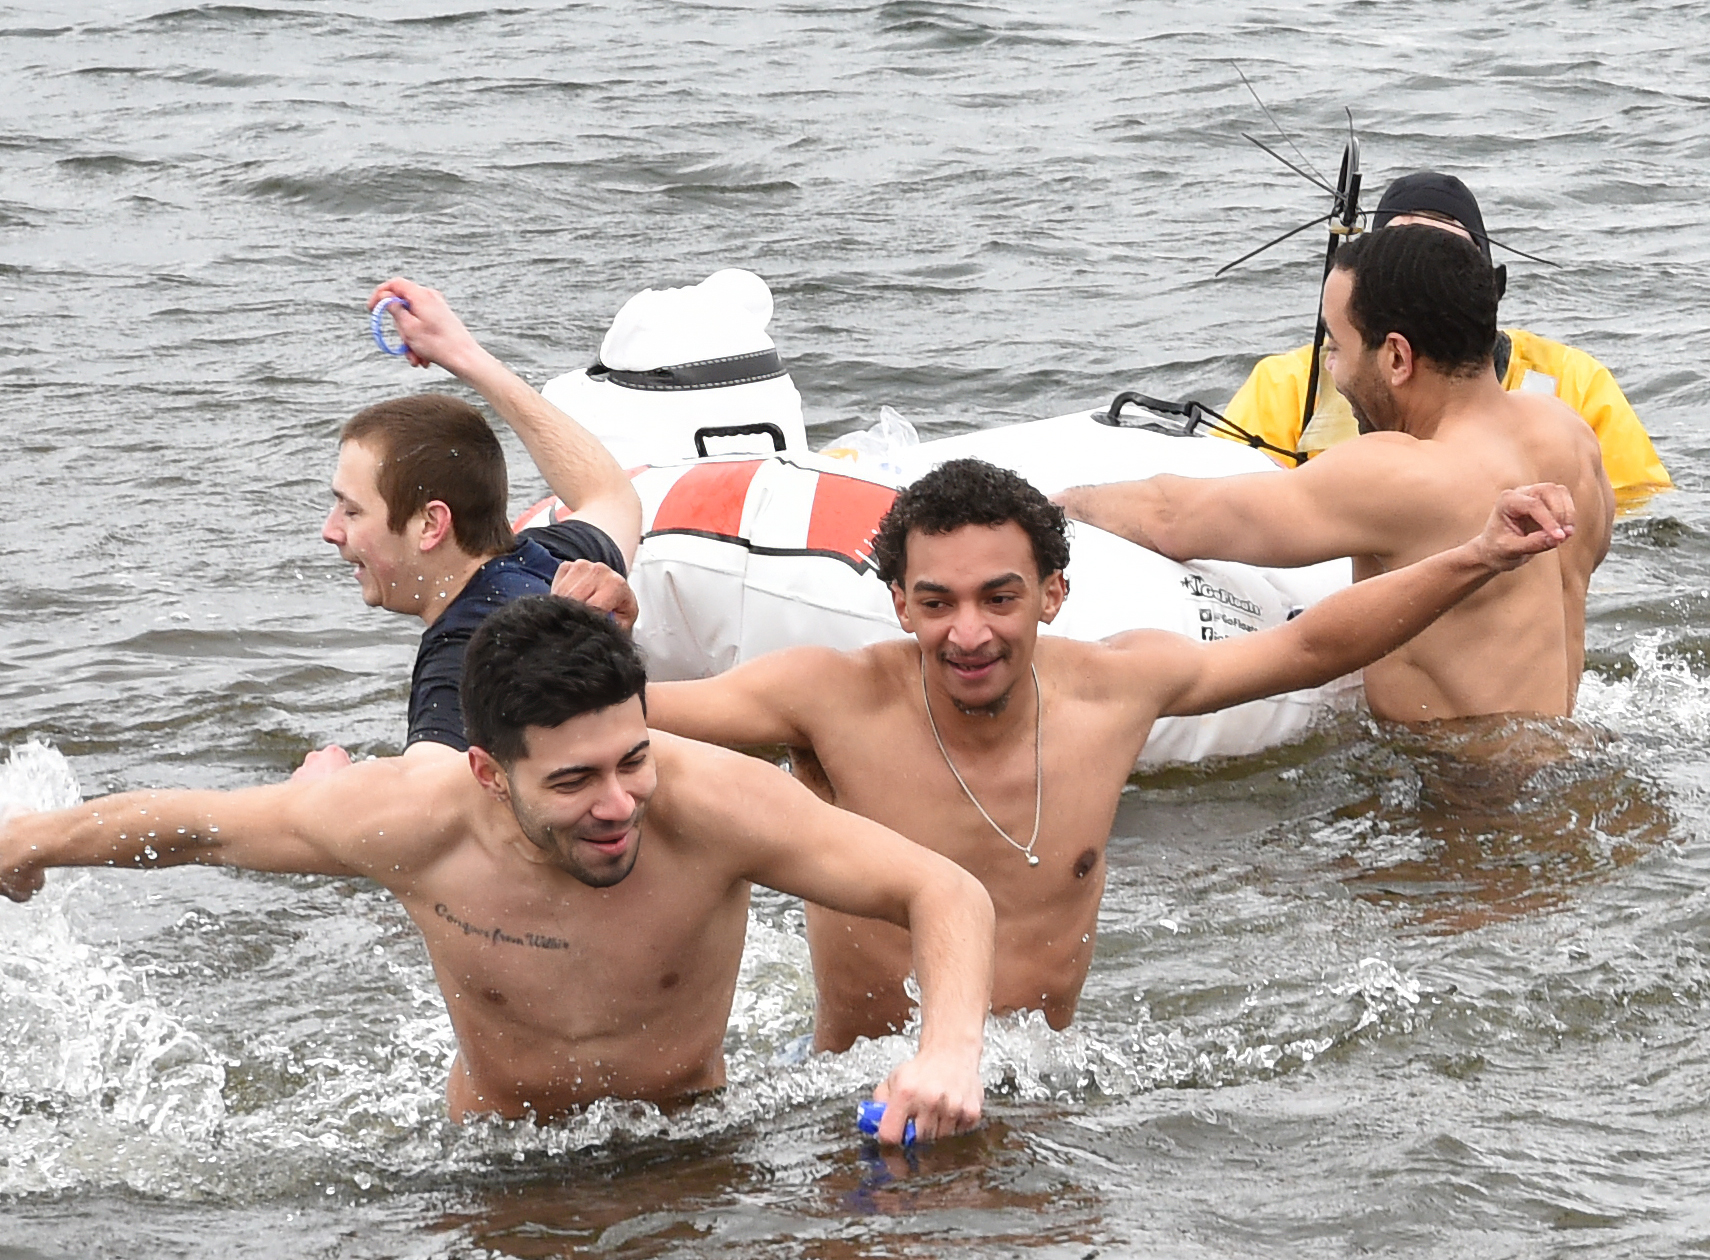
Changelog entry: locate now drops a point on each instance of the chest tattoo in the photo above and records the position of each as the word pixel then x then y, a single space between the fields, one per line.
pixel 498 935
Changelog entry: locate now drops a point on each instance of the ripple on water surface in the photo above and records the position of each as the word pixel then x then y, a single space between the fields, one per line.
pixel 1369 992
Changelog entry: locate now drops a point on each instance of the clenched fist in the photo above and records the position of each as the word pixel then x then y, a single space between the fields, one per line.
pixel 598 586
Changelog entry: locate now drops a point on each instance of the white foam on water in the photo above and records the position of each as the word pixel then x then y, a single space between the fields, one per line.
pixel 101 1085
pixel 1662 699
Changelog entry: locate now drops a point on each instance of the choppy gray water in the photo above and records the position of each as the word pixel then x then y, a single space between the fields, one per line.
pixel 1342 1002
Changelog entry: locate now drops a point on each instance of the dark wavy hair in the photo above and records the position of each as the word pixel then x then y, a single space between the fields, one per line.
pixel 1431 286
pixel 540 661
pixel 970 492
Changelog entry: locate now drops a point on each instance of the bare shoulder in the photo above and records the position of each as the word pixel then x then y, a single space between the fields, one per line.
pixel 682 763
pixel 809 671
pixel 390 813
pixel 849 683
pixel 1126 664
pixel 1562 429
pixel 1383 459
pixel 706 791
pixel 1567 450
pixel 1389 481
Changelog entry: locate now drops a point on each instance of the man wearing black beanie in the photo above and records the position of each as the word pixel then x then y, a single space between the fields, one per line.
pixel 1271 402
pixel 1410 314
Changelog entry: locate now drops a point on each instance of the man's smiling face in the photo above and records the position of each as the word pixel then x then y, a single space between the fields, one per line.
pixel 581 790
pixel 973 599
pixel 388 565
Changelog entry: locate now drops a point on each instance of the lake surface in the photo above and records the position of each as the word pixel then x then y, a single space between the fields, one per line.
pixel 1345 999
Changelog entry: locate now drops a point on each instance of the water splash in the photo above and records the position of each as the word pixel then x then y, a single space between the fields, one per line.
pixel 1662 698
pixel 37 776
pixel 1385 995
pixel 102 1083
pixel 91 1066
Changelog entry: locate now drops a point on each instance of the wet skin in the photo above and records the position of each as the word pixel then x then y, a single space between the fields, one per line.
pixel 1436 450
pixel 584 908
pixel 1518 645
pixel 974 601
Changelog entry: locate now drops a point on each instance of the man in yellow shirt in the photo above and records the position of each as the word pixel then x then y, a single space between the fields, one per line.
pixel 1270 403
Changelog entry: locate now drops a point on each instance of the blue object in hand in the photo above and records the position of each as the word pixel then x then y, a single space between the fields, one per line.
pixel 869 1113
pixel 378 327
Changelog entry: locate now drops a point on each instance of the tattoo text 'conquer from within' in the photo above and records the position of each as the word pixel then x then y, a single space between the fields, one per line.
pixel 498 936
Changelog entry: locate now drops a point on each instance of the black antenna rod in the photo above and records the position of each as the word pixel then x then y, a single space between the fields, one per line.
pixel 1314 180
pixel 1254 253
pixel 1315 176
pixel 1345 221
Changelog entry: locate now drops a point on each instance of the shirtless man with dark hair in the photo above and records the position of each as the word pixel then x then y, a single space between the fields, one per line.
pixel 1271 402
pixel 581 883
pixel 1411 313
pixel 1007 752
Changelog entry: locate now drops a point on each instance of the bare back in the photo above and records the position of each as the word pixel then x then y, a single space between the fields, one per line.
pixel 1517 645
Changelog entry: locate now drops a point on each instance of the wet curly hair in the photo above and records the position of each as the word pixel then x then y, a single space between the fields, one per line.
pixel 970 492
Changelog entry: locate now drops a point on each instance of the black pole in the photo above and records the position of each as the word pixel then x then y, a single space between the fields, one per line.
pixel 1344 221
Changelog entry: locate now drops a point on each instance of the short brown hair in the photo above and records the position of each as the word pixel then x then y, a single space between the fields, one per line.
pixel 433 446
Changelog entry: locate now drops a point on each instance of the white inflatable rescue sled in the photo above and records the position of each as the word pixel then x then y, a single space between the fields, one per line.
pixel 743 554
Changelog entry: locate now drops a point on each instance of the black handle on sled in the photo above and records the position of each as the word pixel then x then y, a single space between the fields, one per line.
pixel 737 430
pixel 1189 417
pixel 1190 412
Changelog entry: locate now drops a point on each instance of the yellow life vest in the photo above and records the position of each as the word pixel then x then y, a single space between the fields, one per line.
pixel 1270 401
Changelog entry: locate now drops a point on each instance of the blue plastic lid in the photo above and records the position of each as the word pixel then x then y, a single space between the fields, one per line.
pixel 870 1112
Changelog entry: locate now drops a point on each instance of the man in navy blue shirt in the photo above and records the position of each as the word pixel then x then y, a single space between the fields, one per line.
pixel 419 508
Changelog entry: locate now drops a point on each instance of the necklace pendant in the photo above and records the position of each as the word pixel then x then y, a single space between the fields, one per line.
pixel 1033 859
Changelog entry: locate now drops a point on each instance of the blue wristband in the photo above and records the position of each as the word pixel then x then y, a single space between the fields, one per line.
pixel 869 1113
pixel 378 328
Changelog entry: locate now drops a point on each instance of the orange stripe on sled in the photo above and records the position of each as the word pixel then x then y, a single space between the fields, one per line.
pixel 707 499
pixel 846 512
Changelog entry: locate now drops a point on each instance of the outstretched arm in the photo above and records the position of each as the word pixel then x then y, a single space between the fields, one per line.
pixel 579 469
pixel 769 700
pixel 1356 626
pixel 784 837
pixel 1353 500
pixel 355 822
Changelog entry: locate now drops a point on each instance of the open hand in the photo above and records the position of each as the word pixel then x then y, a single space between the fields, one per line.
pixel 600 587
pixel 1526 521
pixel 941 1094
pixel 20 878
pixel 429 328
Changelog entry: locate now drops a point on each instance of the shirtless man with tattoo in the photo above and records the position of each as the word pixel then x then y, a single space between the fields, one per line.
pixel 1006 752
pixel 581 882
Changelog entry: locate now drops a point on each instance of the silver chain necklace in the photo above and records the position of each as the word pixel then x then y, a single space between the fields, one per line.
pixel 1038 764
